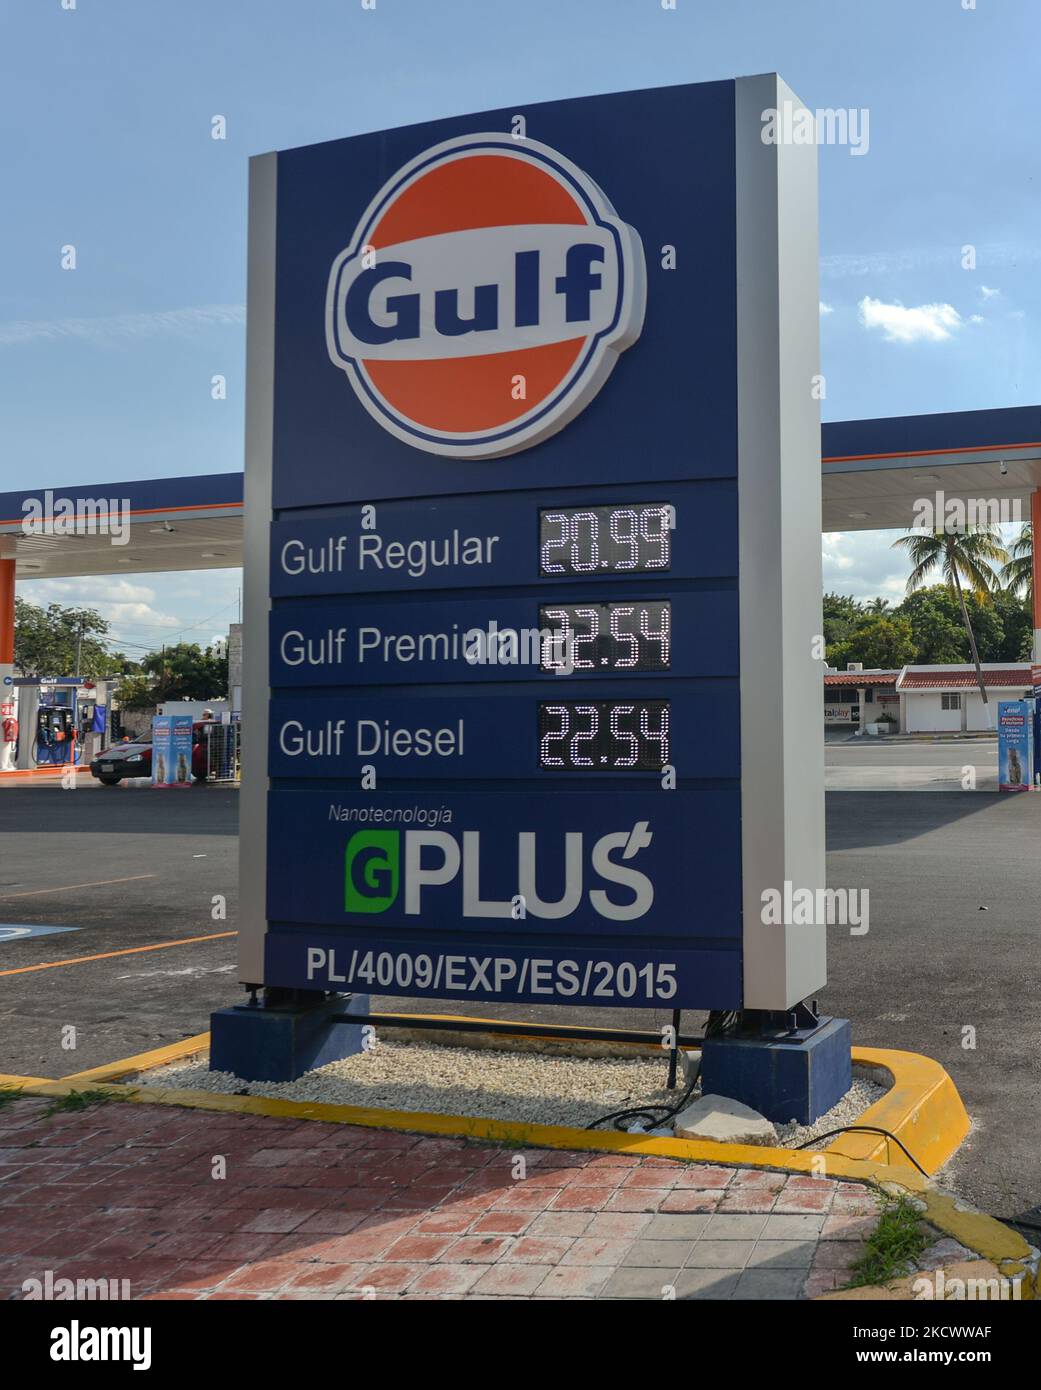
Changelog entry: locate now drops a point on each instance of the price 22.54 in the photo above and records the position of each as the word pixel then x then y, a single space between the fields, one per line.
pixel 604 735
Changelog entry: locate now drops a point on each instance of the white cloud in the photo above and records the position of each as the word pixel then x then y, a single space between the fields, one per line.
pixel 115 328
pixel 932 323
pixel 987 292
pixel 826 308
pixel 864 565
pixel 117 600
pixel 136 613
pixel 90 591
pixel 832 552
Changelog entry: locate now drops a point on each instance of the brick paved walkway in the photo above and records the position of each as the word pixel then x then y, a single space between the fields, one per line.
pixel 310 1210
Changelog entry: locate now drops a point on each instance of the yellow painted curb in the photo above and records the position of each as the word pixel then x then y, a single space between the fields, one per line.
pixel 922 1108
pixel 144 1061
pixel 20 1082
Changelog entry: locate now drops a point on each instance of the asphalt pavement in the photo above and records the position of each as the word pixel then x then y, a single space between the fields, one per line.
pixel 879 764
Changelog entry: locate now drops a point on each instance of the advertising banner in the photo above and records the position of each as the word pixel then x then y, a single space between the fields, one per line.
pixel 172 750
pixel 1015 745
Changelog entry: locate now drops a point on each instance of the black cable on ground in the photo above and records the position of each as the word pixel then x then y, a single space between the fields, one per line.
pixel 648 1114
pixel 864 1129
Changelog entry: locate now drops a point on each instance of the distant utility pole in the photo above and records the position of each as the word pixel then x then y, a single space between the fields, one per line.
pixel 79 648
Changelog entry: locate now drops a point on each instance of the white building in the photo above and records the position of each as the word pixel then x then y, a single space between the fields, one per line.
pixel 947 699
pixel 855 698
pixel 922 699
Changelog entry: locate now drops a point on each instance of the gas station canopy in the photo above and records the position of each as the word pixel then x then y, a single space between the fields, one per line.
pixel 874 470
pixel 192 523
pixel 872 473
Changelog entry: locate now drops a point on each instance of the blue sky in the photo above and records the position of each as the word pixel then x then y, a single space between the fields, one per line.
pixel 105 120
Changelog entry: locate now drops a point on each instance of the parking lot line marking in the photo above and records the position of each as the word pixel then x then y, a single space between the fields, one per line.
pixel 107 955
pixel 68 887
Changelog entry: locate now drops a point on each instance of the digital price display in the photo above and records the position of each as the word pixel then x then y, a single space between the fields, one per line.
pixel 604 735
pixel 632 539
pixel 606 636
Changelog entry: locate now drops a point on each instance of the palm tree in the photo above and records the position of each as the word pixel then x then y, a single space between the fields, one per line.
pixel 878 606
pixel 1018 574
pixel 968 556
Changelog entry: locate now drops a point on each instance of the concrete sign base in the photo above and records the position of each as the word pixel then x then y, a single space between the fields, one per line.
pixel 784 1080
pixel 283 1039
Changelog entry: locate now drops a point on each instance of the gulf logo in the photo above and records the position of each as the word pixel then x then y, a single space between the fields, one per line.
pixel 484 298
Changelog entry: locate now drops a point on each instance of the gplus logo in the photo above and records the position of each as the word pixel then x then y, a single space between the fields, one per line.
pixel 485 296
pixel 372 866
pixel 378 864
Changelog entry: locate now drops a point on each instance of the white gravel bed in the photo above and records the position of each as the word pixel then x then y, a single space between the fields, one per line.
pixel 503 1085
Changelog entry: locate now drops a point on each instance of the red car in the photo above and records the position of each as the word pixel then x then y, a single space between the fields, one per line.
pixel 135 759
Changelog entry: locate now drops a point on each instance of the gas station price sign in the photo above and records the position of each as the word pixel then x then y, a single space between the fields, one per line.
pixel 531 530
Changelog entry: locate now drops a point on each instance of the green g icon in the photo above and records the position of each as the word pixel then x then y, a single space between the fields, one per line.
pixel 371 870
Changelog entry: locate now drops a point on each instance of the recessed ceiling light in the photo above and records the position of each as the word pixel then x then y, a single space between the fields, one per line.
pixel 926 477
pixel 165 530
pixel 858 516
pixel 213 554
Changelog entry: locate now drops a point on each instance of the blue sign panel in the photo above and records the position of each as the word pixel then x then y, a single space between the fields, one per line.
pixel 668 412
pixel 596 633
pixel 504 735
pixel 539 538
pixel 518 875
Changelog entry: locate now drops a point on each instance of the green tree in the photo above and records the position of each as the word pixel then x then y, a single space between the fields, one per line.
pixel 886 642
pixel 841 616
pixel 47 642
pixel 964 559
pixel 135 692
pixel 1017 621
pixel 1018 575
pixel 936 625
pixel 187 671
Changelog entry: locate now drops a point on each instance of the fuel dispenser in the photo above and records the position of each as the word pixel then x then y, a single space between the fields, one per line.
pixel 56 734
pixel 48 732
